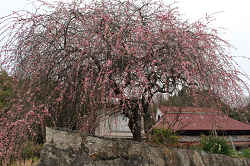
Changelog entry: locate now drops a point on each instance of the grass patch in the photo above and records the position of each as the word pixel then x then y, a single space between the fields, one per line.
pixel 28 162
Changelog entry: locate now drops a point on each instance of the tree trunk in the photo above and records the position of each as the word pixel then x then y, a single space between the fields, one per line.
pixel 148 121
pixel 135 123
pixel 135 128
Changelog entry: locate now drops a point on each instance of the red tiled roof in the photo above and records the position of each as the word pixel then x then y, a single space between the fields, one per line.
pixel 189 118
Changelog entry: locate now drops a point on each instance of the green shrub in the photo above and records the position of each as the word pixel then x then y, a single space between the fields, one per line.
pixel 245 153
pixel 216 145
pixel 164 137
pixel 30 150
pixel 27 151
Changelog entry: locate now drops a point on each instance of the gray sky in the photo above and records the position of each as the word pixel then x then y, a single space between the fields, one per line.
pixel 235 17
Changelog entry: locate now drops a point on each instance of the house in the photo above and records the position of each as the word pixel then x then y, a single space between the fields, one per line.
pixel 196 121
pixel 191 122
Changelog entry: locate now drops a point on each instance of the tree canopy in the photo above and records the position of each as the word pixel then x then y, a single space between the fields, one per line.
pixel 76 61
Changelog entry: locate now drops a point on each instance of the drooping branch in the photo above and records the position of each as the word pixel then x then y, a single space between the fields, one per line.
pixel 78 61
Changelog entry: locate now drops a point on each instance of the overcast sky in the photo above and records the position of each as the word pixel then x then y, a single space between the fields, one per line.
pixel 234 16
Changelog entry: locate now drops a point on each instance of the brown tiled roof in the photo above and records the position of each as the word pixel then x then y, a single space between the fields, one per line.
pixel 190 118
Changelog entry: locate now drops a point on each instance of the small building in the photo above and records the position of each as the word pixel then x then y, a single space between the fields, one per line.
pixel 191 122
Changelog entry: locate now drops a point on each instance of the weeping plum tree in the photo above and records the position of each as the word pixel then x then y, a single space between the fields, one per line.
pixel 76 61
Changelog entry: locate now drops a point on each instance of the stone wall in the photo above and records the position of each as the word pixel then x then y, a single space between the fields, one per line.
pixel 71 148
